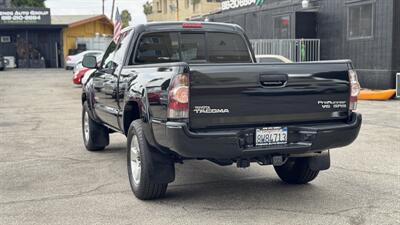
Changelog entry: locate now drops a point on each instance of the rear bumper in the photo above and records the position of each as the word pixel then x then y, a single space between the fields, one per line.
pixel 231 144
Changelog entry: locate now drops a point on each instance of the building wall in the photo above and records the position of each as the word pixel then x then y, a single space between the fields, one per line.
pixel 258 21
pixel 372 57
pixel 396 37
pixel 44 41
pixel 163 12
pixel 85 30
pixel 375 59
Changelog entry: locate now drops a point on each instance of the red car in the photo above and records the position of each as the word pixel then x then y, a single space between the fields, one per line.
pixel 78 75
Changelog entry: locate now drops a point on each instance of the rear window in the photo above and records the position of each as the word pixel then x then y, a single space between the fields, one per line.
pixel 158 48
pixel 213 47
pixel 193 47
pixel 227 48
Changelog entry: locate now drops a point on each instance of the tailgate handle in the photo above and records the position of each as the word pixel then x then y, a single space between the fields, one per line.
pixel 273 80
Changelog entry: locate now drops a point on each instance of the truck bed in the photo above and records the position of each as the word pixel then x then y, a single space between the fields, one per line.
pixel 267 94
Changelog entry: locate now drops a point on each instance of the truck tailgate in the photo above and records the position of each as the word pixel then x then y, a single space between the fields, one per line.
pixel 266 94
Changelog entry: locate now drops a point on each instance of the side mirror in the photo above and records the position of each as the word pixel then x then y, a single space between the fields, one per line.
pixel 89 62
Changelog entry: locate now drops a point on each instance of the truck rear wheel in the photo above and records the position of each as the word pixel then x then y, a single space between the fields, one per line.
pixel 296 171
pixel 95 136
pixel 140 165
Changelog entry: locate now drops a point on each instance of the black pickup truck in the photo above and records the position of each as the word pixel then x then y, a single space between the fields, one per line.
pixel 185 90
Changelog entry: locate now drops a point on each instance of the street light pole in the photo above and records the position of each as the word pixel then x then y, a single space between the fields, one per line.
pixel 103 7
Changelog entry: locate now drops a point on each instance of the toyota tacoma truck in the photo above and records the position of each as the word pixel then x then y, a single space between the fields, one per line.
pixel 184 91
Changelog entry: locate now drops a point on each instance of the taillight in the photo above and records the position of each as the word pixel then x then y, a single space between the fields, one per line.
pixel 178 97
pixel 192 25
pixel 355 89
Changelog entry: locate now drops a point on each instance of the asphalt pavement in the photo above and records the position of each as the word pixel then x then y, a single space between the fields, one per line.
pixel 47 176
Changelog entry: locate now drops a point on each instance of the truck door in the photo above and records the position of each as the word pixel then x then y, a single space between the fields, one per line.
pixel 106 82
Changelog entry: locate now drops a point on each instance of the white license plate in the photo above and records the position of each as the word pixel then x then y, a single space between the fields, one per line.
pixel 271 136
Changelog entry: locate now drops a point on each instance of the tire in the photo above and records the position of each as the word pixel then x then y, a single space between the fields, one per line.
pixel 140 165
pixel 95 136
pixel 296 171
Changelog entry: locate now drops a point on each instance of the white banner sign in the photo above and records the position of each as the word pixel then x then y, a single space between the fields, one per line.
pixel 233 4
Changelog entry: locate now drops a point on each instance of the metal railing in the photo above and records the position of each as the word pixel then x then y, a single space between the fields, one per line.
pixel 297 50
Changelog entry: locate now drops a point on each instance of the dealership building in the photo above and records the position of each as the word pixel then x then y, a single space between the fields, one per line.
pixel 33 38
pixel 365 31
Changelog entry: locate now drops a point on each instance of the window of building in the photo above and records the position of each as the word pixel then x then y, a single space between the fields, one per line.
pixel 195 4
pixel 282 27
pixel 165 6
pixel 158 6
pixel 360 21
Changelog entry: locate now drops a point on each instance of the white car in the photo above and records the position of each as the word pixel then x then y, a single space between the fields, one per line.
pixel 272 59
pixel 72 60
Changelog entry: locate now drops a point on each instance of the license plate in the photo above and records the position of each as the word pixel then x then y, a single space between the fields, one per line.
pixel 271 136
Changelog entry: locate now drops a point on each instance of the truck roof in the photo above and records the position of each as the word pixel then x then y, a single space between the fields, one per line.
pixel 187 25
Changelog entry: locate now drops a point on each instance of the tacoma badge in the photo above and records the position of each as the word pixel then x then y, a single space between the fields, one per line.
pixel 209 110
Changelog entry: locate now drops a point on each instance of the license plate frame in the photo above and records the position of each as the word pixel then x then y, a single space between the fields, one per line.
pixel 268 136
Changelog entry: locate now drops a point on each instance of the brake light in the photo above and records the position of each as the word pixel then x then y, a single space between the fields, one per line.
pixel 355 89
pixel 178 97
pixel 192 25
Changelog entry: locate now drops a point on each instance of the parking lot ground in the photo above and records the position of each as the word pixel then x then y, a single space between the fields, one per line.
pixel 47 177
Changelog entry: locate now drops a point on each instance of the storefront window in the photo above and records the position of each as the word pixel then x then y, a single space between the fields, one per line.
pixel 282 27
pixel 360 21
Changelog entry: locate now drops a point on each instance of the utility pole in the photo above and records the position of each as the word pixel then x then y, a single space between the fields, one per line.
pixel 112 10
pixel 103 7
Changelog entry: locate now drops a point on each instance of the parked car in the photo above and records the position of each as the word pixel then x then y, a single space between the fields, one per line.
pixel 86 76
pixel 77 78
pixel 185 91
pixel 72 60
pixel 78 75
pixel 272 59
pixel 2 63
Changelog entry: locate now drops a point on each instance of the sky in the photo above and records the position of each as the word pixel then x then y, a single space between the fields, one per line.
pixel 94 7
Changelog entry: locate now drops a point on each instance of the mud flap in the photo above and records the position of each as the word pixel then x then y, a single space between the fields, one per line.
pixel 321 162
pixel 163 168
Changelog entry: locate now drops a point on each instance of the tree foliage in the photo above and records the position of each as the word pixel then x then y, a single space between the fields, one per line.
pixel 125 18
pixel 147 8
pixel 28 3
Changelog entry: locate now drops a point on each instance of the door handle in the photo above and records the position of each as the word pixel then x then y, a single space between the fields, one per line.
pixel 273 80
